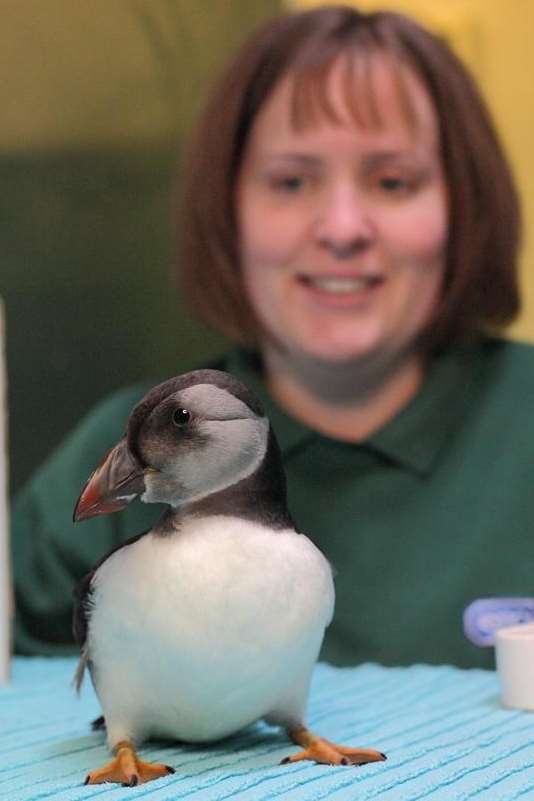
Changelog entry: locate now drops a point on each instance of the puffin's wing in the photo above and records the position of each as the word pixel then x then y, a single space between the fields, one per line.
pixel 82 606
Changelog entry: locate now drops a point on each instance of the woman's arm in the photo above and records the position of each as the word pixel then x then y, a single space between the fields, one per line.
pixel 49 555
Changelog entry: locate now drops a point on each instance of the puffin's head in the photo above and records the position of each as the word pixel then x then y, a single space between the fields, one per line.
pixel 190 437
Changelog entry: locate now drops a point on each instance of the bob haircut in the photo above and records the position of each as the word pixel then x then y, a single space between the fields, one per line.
pixel 480 288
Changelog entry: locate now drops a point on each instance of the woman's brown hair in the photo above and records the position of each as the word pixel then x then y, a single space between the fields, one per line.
pixel 480 289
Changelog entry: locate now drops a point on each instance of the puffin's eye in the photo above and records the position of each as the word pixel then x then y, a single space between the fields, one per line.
pixel 181 417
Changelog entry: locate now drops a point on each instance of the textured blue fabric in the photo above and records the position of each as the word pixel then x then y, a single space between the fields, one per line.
pixel 446 736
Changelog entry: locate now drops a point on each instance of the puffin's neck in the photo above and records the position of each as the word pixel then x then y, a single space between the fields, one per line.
pixel 260 497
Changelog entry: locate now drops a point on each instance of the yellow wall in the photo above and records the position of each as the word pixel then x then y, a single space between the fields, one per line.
pixel 496 39
pixel 110 74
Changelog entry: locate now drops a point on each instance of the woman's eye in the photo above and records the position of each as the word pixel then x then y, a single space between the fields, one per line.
pixel 180 417
pixel 393 183
pixel 290 183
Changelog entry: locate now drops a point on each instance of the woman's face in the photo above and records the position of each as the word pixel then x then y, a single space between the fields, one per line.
pixel 343 226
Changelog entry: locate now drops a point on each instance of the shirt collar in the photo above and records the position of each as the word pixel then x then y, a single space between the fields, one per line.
pixel 413 438
pixel 417 434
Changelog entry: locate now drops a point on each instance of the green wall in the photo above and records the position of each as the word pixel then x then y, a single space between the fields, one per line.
pixel 97 99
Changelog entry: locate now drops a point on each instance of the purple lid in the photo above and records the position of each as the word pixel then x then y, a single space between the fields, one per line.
pixel 483 617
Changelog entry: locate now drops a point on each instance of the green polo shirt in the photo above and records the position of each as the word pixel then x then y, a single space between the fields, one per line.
pixel 429 513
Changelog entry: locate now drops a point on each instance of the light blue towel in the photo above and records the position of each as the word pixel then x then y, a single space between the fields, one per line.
pixel 445 734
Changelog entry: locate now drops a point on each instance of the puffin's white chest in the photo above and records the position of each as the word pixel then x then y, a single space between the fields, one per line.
pixel 196 634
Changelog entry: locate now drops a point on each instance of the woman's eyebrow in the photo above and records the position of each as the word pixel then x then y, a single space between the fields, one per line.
pixel 385 157
pixel 302 159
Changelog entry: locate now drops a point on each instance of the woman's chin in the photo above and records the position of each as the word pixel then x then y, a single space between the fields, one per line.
pixel 328 347
pixel 338 353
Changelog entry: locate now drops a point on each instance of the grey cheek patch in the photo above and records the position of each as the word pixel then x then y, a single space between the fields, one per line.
pixel 227 462
pixel 236 449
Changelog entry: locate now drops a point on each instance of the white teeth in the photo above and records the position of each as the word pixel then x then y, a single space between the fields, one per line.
pixel 339 285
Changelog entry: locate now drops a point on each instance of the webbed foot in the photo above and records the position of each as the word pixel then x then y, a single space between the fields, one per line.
pixel 317 749
pixel 127 769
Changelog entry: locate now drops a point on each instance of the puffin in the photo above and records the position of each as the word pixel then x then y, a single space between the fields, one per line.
pixel 214 618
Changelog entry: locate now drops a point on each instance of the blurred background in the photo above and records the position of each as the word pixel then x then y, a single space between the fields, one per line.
pixel 97 99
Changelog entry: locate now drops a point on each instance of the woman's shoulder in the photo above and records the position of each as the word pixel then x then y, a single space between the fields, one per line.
pixel 508 363
pixel 502 385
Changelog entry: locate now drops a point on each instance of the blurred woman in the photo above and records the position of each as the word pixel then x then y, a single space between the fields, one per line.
pixel 349 219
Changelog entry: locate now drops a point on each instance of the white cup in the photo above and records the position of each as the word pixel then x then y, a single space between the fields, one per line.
pixel 514 657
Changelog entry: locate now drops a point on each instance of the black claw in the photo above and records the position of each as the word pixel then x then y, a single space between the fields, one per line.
pixel 169 769
pixel 285 761
pixel 132 783
pixel 345 761
pixel 382 755
pixel 87 779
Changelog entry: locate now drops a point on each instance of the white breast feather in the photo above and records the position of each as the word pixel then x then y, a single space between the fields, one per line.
pixel 199 633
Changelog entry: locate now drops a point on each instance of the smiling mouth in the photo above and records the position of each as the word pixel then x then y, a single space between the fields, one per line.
pixel 340 285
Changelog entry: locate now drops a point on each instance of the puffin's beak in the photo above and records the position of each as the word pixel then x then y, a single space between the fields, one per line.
pixel 117 480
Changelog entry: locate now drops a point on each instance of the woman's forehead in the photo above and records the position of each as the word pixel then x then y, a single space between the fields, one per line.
pixel 372 91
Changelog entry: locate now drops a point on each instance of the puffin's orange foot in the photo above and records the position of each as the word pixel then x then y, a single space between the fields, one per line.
pixel 317 749
pixel 127 769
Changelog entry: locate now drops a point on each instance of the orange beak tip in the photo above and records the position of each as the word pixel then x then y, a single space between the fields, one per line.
pixel 113 485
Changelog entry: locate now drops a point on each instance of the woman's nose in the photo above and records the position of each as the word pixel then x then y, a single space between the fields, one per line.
pixel 344 226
